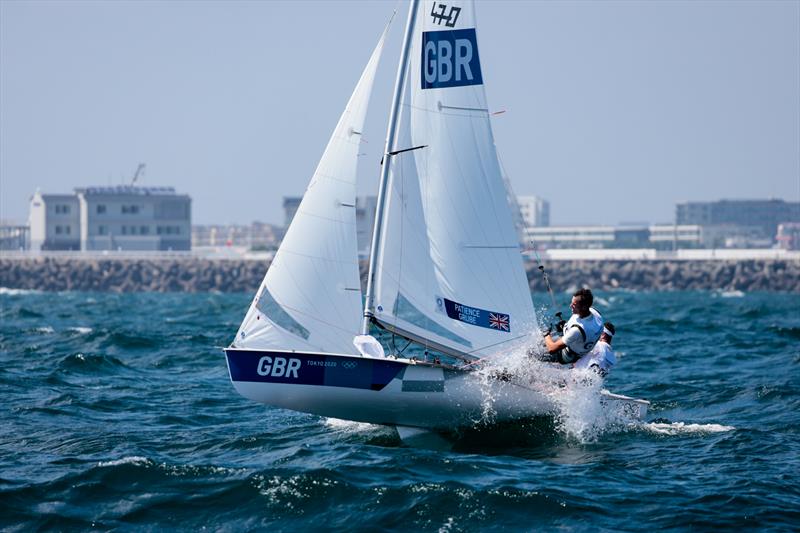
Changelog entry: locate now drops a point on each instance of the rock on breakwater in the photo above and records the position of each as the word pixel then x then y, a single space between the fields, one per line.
pixel 202 275
pixel 744 275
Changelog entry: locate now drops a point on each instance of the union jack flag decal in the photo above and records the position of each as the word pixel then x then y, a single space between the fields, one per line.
pixel 474 316
pixel 498 321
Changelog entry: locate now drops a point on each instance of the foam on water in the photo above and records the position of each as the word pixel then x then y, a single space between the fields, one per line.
pixel 350 426
pixel 16 292
pixel 575 395
pixel 80 330
pixel 132 460
pixel 729 294
pixel 682 428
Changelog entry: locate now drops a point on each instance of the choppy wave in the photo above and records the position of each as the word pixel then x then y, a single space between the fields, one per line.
pixel 121 416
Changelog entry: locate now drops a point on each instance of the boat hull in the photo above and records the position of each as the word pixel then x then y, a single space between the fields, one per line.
pixel 380 391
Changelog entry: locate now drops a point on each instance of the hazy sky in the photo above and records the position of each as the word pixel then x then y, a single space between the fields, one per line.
pixel 615 111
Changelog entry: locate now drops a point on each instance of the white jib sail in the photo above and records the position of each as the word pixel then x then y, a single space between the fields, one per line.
pixel 310 298
pixel 449 268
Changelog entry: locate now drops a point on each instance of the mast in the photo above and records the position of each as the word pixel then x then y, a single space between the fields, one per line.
pixel 387 154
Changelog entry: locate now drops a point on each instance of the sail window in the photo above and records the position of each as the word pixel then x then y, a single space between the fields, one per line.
pixel 407 311
pixel 273 310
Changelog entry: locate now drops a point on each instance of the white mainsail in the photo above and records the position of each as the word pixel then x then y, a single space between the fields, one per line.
pixel 449 270
pixel 310 298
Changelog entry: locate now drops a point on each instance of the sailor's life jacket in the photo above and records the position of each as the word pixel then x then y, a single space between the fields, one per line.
pixel 580 335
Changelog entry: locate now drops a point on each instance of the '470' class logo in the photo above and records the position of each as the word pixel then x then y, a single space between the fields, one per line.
pixel 449 19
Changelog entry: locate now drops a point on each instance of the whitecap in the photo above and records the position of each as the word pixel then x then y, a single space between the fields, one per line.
pixel 45 329
pixel 132 460
pixel 16 292
pixel 351 426
pixel 80 330
pixel 731 294
pixel 682 428
pixel 602 301
pixel 448 525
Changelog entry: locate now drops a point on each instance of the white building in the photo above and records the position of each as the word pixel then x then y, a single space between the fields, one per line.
pixel 111 218
pixel 55 222
pixel 535 211
pixel 676 236
pixel 571 236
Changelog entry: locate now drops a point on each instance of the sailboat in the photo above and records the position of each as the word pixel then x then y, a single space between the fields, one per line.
pixel 445 268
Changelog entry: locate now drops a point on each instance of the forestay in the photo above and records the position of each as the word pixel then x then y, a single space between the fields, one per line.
pixel 449 267
pixel 310 298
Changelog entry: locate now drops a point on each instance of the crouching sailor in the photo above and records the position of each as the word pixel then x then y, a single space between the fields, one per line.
pixel 602 357
pixel 579 334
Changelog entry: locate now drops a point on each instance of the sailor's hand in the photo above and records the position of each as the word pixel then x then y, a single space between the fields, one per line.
pixel 560 326
pixel 549 330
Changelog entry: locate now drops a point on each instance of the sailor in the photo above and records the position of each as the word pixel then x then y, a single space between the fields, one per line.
pixel 579 334
pixel 602 357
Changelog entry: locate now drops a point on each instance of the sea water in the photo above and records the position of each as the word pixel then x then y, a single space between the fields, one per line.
pixel 117 412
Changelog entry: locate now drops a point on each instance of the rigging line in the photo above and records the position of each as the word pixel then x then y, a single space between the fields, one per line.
pixel 545 278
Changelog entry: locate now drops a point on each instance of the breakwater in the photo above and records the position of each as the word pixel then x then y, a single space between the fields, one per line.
pixel 191 274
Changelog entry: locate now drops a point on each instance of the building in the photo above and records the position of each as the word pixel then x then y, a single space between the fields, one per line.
pixel 535 211
pixel 256 236
pixel 55 222
pixel 111 218
pixel 571 236
pixel 740 223
pixel 14 238
pixel 788 236
pixel 290 205
pixel 674 237
pixel 660 237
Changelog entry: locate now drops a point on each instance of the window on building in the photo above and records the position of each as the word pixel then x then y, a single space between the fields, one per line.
pixel 124 230
pixel 102 230
pixel 67 229
pixel 132 209
pixel 144 230
pixel 59 230
pixel 101 209
pixel 62 209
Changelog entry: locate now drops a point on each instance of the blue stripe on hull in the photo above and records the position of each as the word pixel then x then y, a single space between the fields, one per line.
pixel 270 366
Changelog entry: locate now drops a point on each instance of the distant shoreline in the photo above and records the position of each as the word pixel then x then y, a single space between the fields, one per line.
pixel 192 274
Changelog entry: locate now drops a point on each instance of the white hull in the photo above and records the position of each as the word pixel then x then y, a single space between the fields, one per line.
pixel 385 391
